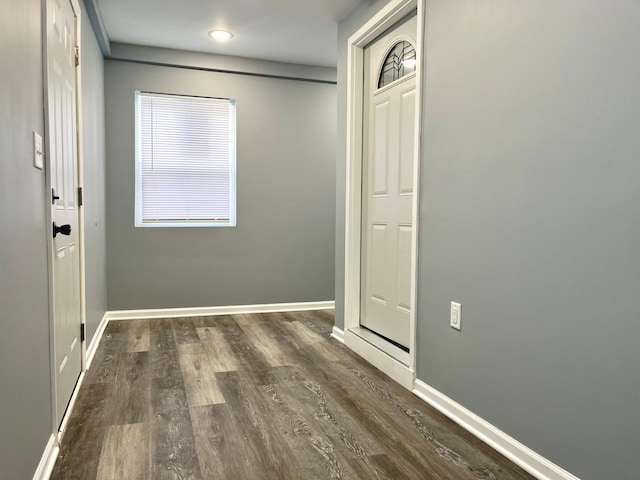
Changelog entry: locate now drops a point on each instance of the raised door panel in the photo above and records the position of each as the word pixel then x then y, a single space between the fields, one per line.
pixel 380 157
pixel 403 255
pixel 377 266
pixel 406 137
pixel 70 149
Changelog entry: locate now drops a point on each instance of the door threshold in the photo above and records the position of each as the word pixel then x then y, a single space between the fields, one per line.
pixel 385 346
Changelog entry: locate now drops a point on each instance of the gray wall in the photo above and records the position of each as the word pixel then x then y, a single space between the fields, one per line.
pixel 25 402
pixel 94 178
pixel 25 371
pixel 530 218
pixel 282 249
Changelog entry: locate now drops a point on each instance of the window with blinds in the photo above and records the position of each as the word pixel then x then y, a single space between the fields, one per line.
pixel 185 161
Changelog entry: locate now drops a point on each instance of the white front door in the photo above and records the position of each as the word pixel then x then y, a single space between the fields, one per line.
pixel 387 182
pixel 63 166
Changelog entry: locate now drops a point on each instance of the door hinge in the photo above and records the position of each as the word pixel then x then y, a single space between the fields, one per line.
pixel 80 196
pixel 77 54
pixel 82 332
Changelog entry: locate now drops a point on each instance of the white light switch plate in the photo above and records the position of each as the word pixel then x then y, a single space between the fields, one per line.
pixel 38 152
pixel 456 310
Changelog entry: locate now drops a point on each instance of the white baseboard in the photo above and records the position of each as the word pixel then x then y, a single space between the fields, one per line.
pixel 95 341
pixel 535 464
pixel 224 310
pixel 72 403
pixel 52 449
pixel 338 334
pixel 398 371
pixel 48 460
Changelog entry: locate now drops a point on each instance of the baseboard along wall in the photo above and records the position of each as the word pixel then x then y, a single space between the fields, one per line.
pixel 524 457
pixel 338 334
pixel 48 460
pixel 521 455
pixel 224 310
pixel 93 345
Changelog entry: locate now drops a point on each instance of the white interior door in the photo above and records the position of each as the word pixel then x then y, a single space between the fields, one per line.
pixel 387 182
pixel 63 166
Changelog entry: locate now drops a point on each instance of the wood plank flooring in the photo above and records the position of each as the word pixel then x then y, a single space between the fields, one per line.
pixel 264 396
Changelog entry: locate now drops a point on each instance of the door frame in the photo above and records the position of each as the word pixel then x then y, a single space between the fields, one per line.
pixel 59 428
pixel 388 16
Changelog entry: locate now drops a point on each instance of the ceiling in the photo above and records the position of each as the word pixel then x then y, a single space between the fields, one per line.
pixel 292 31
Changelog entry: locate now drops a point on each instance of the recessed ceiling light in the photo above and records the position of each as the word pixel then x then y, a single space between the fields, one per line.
pixel 410 63
pixel 220 35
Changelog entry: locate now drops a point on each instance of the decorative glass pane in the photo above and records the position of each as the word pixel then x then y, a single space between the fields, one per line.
pixel 401 61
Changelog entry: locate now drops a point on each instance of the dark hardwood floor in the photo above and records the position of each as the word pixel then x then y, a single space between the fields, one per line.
pixel 265 396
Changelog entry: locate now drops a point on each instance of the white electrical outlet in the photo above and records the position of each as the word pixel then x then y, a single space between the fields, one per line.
pixel 455 315
pixel 38 152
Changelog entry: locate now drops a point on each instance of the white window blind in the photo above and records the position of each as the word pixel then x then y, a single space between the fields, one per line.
pixel 185 160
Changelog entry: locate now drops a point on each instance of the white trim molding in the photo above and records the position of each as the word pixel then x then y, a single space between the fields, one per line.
pixel 223 310
pixel 72 403
pixel 48 460
pixel 532 462
pixel 397 370
pixel 389 15
pixel 95 341
pixel 337 334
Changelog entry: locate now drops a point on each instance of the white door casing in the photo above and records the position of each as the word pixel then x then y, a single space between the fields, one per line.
pixel 387 191
pixel 62 126
pixel 388 16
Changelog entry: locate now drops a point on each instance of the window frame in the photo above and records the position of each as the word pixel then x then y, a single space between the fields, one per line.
pixel 138 218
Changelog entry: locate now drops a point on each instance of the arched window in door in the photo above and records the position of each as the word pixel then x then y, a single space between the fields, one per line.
pixel 400 61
